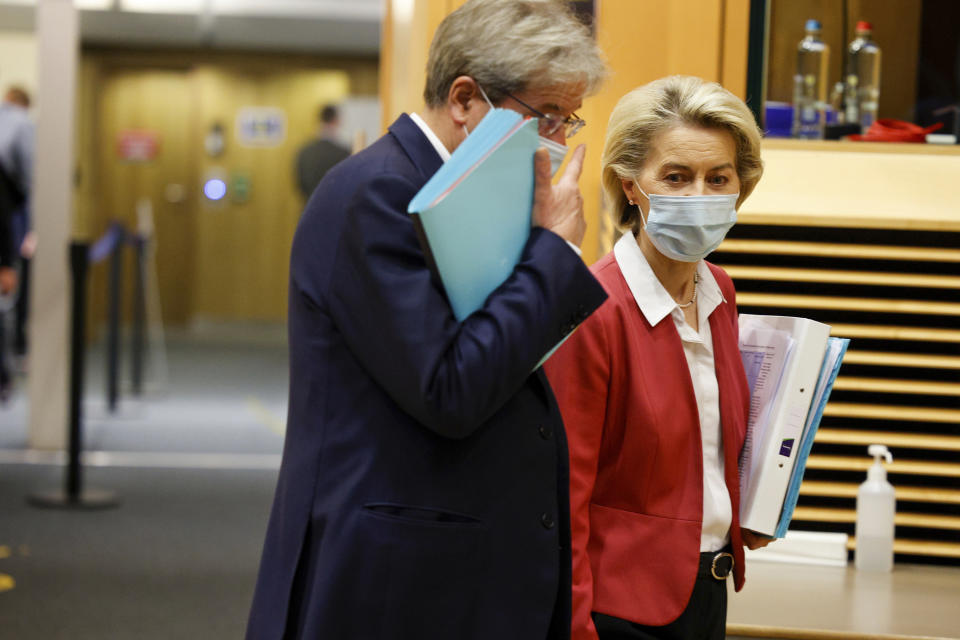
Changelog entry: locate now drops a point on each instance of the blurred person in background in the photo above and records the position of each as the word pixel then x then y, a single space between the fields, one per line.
pixel 318 156
pixel 423 493
pixel 651 387
pixel 16 174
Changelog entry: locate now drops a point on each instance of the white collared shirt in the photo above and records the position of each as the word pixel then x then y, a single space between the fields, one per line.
pixel 656 304
pixel 445 155
pixel 431 136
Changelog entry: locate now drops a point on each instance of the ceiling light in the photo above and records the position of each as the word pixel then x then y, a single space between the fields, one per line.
pixel 163 6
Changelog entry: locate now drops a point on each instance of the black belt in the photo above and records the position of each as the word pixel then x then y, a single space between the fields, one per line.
pixel 716 564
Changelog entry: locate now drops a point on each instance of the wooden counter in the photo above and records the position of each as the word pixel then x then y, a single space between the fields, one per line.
pixel 865 185
pixel 832 603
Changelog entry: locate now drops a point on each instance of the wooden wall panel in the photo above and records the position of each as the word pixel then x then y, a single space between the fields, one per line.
pixel 86 149
pixel 856 184
pixel 736 39
pixel 159 102
pixel 408 28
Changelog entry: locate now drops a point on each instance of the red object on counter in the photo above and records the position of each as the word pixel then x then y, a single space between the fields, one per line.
pixel 890 130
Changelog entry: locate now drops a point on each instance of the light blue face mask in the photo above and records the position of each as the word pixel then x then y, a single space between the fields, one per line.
pixel 688 228
pixel 557 151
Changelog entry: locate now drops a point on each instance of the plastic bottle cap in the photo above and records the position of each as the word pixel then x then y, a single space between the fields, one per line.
pixel 863 25
pixel 813 25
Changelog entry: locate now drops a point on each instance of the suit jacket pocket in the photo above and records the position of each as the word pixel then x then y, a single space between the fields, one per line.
pixel 422 566
pixel 419 515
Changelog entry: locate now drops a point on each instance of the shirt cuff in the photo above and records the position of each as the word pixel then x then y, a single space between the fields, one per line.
pixel 576 249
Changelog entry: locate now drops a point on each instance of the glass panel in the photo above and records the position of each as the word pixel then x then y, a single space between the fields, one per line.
pixel 830 68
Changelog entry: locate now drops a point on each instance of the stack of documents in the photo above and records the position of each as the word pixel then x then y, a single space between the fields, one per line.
pixel 791 365
pixel 804 547
pixel 474 213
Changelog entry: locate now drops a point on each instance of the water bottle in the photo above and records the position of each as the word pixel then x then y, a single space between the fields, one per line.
pixel 810 84
pixel 863 78
pixel 837 97
pixel 876 507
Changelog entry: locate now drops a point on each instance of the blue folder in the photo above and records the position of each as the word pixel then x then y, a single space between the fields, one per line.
pixel 828 375
pixel 474 213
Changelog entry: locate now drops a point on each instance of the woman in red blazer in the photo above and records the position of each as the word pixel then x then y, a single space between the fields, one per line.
pixel 651 387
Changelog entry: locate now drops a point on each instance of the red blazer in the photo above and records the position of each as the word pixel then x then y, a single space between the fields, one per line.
pixel 636 462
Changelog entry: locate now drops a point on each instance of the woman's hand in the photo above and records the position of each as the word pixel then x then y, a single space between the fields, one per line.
pixel 754 540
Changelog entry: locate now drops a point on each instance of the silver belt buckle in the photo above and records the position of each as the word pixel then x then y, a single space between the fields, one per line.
pixel 713 565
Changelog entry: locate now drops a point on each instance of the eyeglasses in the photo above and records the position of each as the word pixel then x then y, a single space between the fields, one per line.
pixel 550 123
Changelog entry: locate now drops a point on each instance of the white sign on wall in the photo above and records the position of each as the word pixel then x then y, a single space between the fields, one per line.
pixel 359 116
pixel 261 126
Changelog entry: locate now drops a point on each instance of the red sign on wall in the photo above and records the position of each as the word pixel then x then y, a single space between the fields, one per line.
pixel 138 146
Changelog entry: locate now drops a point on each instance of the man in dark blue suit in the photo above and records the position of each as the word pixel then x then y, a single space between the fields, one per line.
pixel 423 489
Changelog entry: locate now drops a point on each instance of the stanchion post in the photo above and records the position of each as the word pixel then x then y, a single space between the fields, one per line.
pixel 113 328
pixel 79 262
pixel 138 333
pixel 73 495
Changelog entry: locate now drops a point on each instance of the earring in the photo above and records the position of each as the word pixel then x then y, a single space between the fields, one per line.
pixel 631 202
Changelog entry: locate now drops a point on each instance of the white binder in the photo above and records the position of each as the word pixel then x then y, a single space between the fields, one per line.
pixel 783 357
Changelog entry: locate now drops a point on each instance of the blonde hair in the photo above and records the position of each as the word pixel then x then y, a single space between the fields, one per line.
pixel 509 46
pixel 649 110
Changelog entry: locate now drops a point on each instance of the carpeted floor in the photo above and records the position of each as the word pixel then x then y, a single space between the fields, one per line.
pixel 194 463
pixel 177 559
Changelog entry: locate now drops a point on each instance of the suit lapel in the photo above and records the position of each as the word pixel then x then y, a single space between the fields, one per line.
pixel 411 139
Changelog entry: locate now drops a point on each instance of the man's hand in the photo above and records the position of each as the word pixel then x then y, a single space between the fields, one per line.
pixel 559 207
pixel 754 540
pixel 8 280
pixel 29 245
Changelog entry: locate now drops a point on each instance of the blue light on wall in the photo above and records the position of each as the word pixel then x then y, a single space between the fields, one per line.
pixel 215 189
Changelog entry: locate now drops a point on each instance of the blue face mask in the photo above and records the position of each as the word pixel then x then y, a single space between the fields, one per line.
pixel 689 228
pixel 557 151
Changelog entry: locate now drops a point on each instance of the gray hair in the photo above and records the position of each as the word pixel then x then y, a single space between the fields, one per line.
pixel 509 46
pixel 644 113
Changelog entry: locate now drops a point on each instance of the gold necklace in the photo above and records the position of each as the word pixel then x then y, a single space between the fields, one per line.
pixel 696 279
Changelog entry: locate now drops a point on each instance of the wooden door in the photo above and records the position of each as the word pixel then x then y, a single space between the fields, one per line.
pixel 243 240
pixel 225 260
pixel 147 135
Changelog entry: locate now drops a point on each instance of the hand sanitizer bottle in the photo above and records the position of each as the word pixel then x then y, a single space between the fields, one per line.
pixel 876 506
